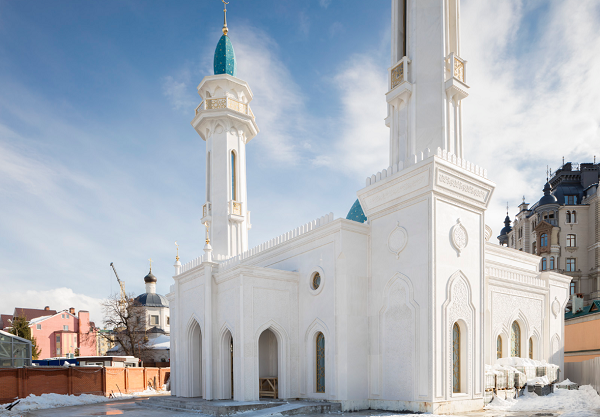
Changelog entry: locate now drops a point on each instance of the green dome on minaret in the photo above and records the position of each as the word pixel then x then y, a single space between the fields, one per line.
pixel 225 57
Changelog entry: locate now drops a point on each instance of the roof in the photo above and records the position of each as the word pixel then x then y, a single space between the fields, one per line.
pixel 356 213
pixel 5 320
pixel 38 319
pixel 152 300
pixel 593 308
pixel 6 334
pixel 149 278
pixel 224 62
pixel 161 342
pixel 32 313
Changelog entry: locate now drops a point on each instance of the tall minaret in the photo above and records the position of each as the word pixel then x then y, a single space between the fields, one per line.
pixel 226 122
pixel 427 80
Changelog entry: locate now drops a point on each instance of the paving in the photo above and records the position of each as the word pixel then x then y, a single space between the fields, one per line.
pixel 141 407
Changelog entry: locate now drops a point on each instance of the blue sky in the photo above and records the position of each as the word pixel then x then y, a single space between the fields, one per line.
pixel 99 164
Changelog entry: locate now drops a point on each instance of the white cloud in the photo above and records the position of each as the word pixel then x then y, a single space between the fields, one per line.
pixel 528 109
pixel 57 299
pixel 177 90
pixel 362 145
pixel 324 3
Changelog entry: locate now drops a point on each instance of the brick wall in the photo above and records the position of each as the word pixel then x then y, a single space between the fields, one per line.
pixel 19 383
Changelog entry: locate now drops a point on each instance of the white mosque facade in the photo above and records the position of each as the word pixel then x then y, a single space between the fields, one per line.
pixel 400 305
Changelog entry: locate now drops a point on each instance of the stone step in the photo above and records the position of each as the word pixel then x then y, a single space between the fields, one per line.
pixel 227 408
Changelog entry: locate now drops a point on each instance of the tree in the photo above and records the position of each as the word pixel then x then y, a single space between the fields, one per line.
pixel 126 318
pixel 20 327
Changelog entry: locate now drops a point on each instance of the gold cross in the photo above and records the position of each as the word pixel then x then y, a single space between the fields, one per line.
pixel 150 264
pixel 177 257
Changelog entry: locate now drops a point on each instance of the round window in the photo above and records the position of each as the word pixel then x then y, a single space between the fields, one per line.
pixel 316 281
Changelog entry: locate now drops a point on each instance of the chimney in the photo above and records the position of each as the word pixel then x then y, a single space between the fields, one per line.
pixel 576 303
pixel 72 310
pixel 47 308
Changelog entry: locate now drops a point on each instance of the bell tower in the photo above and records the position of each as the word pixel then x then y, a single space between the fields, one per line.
pixel 427 80
pixel 225 121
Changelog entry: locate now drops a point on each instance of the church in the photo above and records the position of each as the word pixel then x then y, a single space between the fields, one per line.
pixel 400 305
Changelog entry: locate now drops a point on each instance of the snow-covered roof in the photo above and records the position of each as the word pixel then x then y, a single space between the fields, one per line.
pixel 161 342
pixel 38 319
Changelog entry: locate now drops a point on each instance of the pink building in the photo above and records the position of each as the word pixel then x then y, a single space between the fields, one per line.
pixel 60 333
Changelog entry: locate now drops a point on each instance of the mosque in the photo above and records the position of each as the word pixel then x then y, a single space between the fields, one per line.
pixel 400 305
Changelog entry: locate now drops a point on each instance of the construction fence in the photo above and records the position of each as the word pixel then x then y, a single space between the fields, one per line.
pixel 75 380
pixel 584 373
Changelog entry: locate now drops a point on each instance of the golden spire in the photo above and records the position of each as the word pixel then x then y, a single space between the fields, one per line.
pixel 225 30
pixel 207 238
pixel 177 257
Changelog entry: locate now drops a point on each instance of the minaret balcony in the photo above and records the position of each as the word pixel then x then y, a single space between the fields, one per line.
pixel 224 103
pixel 236 211
pixel 400 87
pixel 206 212
pixel 456 77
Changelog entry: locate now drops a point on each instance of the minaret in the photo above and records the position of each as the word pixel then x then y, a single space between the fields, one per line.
pixel 226 122
pixel 427 80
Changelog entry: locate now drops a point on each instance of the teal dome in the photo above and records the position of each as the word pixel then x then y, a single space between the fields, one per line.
pixel 225 57
pixel 356 213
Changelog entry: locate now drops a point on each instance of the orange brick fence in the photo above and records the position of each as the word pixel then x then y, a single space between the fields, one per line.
pixel 21 382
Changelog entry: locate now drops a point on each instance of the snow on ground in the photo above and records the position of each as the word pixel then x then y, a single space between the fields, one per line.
pixel 34 402
pixel 578 402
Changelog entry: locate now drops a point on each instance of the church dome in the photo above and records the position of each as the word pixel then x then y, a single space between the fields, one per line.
pixel 356 213
pixel 149 278
pixel 152 300
pixel 547 198
pixel 507 228
pixel 224 62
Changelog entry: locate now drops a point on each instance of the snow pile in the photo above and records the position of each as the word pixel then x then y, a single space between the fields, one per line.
pixel 34 402
pixel 161 342
pixel 576 401
pixel 567 382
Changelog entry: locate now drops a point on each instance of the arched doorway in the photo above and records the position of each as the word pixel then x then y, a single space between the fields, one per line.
pixel 227 365
pixel 195 360
pixel 268 369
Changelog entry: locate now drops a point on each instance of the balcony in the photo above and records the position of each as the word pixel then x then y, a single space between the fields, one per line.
pixel 399 73
pixel 224 103
pixel 456 77
pixel 206 212
pixel 235 211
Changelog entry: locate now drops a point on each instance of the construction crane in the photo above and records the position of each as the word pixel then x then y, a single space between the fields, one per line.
pixel 121 285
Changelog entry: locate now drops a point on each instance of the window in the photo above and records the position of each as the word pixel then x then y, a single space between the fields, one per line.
pixel 544 240
pixel 58 339
pixel 571 242
pixel 316 281
pixel 66 327
pixel 572 288
pixel 515 336
pixel 320 346
pixel 570 264
pixel 530 348
pixel 568 217
pixel 208 176
pixel 233 175
pixel 544 264
pixel 456 358
pixel 574 217
pixel 57 351
pixel 499 347
pixel 154 320
pixel 168 321
pixel 570 199
pixel 552 262
pixel 533 247
pixel 62 315
pixel 38 326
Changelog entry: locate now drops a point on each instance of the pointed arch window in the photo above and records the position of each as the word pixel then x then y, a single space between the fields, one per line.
pixel 499 347
pixel 233 177
pixel 530 348
pixel 456 358
pixel 320 346
pixel 515 336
